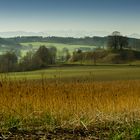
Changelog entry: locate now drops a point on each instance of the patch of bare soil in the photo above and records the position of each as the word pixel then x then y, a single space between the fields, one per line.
pixel 56 134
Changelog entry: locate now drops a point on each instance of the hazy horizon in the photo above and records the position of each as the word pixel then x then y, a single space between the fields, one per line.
pixel 63 33
pixel 64 15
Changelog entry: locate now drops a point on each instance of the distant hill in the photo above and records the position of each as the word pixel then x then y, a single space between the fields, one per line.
pixel 8 45
pixel 135 35
pixel 60 33
pixel 90 41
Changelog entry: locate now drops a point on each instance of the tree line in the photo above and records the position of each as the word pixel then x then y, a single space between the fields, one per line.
pixel 117 49
pixel 40 59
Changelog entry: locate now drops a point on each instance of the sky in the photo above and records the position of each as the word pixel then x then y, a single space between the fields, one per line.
pixel 75 15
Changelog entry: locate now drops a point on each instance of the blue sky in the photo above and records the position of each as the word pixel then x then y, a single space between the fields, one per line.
pixel 87 15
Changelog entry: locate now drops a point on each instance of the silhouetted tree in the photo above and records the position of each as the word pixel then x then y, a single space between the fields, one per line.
pixel 42 58
pixel 123 42
pixel 117 42
pixel 8 62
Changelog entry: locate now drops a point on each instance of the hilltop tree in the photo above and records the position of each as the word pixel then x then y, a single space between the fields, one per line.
pixel 117 42
pixel 123 42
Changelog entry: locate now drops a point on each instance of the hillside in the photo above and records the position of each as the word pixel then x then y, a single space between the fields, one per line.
pixel 9 45
pixel 90 41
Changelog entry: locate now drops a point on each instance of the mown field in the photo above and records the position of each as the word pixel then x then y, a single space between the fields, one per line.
pixel 71 103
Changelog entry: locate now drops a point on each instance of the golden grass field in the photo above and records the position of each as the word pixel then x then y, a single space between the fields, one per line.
pixel 67 103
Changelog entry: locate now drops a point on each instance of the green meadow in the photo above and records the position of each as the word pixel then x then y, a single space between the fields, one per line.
pixel 97 73
pixel 59 46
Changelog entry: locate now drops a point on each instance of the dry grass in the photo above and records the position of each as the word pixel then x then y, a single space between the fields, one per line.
pixel 72 103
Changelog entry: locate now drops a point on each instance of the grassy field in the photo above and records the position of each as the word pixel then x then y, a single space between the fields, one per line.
pixel 98 73
pixel 82 102
pixel 59 46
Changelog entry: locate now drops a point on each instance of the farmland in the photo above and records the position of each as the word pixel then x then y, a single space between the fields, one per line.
pixel 89 102
pixel 98 73
pixel 59 46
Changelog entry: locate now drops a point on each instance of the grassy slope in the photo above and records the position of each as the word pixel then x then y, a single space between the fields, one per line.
pixel 99 73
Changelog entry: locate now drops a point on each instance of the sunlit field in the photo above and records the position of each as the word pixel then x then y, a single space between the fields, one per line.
pixel 96 73
pixel 70 100
pixel 72 103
